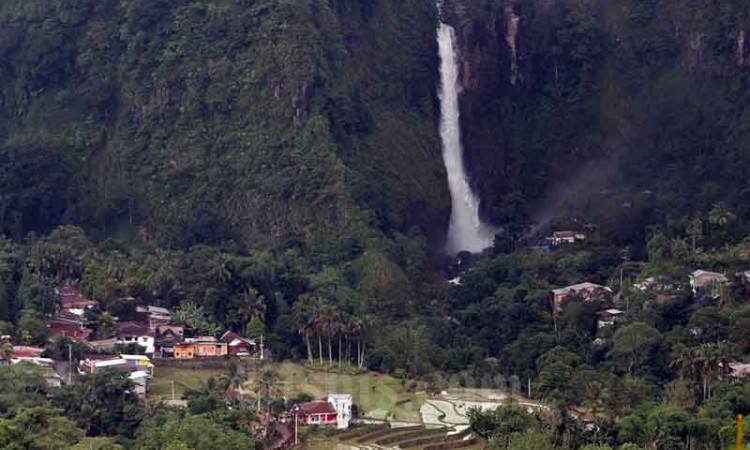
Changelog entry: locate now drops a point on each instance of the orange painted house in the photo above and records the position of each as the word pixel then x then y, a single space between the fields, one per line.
pixel 202 347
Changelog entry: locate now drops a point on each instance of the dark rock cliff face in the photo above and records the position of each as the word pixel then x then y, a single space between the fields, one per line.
pixel 551 86
pixel 490 71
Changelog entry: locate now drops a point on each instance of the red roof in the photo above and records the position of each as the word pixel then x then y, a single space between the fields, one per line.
pixel 133 329
pixel 174 329
pixel 317 408
pixel 21 351
pixel 71 330
pixel 71 297
pixel 229 336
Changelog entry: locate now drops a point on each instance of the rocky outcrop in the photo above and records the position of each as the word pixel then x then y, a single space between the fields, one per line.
pixel 491 69
pixel 743 49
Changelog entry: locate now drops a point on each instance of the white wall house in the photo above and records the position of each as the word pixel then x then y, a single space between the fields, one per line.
pixel 342 403
pixel 146 342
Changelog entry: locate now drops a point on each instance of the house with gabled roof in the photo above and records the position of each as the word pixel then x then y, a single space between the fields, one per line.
pixel 588 291
pixel 319 413
pixel 706 280
pixel 167 336
pixel 566 237
pixel 610 317
pixel 136 333
pixel 238 345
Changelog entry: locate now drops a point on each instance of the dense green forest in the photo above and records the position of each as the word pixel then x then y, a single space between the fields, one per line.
pixel 273 167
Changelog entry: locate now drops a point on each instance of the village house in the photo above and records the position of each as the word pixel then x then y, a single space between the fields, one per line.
pixel 566 237
pixel 73 305
pixel 320 413
pixel 237 345
pixel 72 298
pixel 154 315
pixel 336 409
pixel 588 291
pixel 104 345
pixel 167 336
pixel 19 353
pixel 139 368
pixel 200 347
pixel 75 331
pixel 343 404
pixel 703 280
pixel 739 371
pixel 610 317
pixel 70 316
pixel 123 362
pixel 136 333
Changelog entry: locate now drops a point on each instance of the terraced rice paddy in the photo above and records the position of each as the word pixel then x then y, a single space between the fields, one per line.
pixel 406 437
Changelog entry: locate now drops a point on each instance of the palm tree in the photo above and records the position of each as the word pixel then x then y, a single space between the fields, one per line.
pixel 304 316
pixel 695 230
pixel 219 268
pixel 234 376
pixel 710 358
pixel 251 306
pixel 267 385
pixel 720 215
pixel 331 321
pixel 684 361
pixel 363 324
pixel 320 324
pixel 205 388
pixel 356 330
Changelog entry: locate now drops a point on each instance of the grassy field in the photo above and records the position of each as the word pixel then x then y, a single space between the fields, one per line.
pixel 184 379
pixel 377 396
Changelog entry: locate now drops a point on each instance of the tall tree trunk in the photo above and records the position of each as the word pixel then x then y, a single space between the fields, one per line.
pixel 359 346
pixel 340 351
pixel 348 350
pixel 330 352
pixel 362 358
pixel 309 349
pixel 320 349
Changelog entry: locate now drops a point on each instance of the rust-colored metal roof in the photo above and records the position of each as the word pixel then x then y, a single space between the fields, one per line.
pixel 317 408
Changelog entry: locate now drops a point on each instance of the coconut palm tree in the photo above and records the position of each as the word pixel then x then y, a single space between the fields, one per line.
pixel 205 388
pixel 320 324
pixel 711 358
pixel 695 231
pixel 720 215
pixel 267 385
pixel 251 306
pixel 304 317
pixel 234 376
pixel 684 361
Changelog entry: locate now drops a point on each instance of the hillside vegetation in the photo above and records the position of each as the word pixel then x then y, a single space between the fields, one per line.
pixel 258 122
pixel 273 167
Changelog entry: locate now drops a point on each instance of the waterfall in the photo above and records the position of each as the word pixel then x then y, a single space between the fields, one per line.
pixel 466 231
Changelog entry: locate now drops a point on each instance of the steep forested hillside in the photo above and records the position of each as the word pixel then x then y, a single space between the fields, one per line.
pixel 654 91
pixel 266 122
pixel 273 167
pixel 253 121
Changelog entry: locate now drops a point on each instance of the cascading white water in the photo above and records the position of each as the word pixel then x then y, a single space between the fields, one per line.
pixel 466 231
